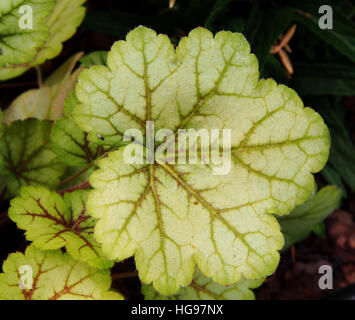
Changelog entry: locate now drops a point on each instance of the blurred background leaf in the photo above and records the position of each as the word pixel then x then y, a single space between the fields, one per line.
pixel 314 79
pixel 340 169
pixel 309 216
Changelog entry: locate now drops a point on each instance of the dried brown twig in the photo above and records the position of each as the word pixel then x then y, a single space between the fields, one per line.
pixel 279 49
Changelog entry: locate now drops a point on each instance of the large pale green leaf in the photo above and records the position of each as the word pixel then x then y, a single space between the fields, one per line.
pixel 202 288
pixel 47 102
pixel 174 216
pixel 19 46
pixel 299 223
pixel 52 222
pixel 62 23
pixel 55 276
pixel 26 157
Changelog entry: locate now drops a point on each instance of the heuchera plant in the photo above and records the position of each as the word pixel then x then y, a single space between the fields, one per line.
pixel 176 217
pixel 194 234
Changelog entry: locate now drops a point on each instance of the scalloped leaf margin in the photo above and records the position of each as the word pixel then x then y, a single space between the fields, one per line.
pixel 174 216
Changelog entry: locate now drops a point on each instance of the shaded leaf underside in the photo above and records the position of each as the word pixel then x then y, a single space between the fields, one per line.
pixel 56 276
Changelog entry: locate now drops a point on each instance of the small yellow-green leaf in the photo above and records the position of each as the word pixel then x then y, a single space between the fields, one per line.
pixel 19 44
pixel 60 25
pixel 52 222
pixel 52 275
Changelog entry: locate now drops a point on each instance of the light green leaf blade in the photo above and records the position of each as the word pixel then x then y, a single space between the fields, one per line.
pixel 26 157
pixel 19 46
pixel 56 276
pixel 202 288
pixel 174 216
pixel 62 23
pixel 71 144
pixel 47 102
pixel 52 222
pixel 300 222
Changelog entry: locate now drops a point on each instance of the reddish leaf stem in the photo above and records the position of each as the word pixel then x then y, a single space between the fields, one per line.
pixel 75 175
pixel 80 186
